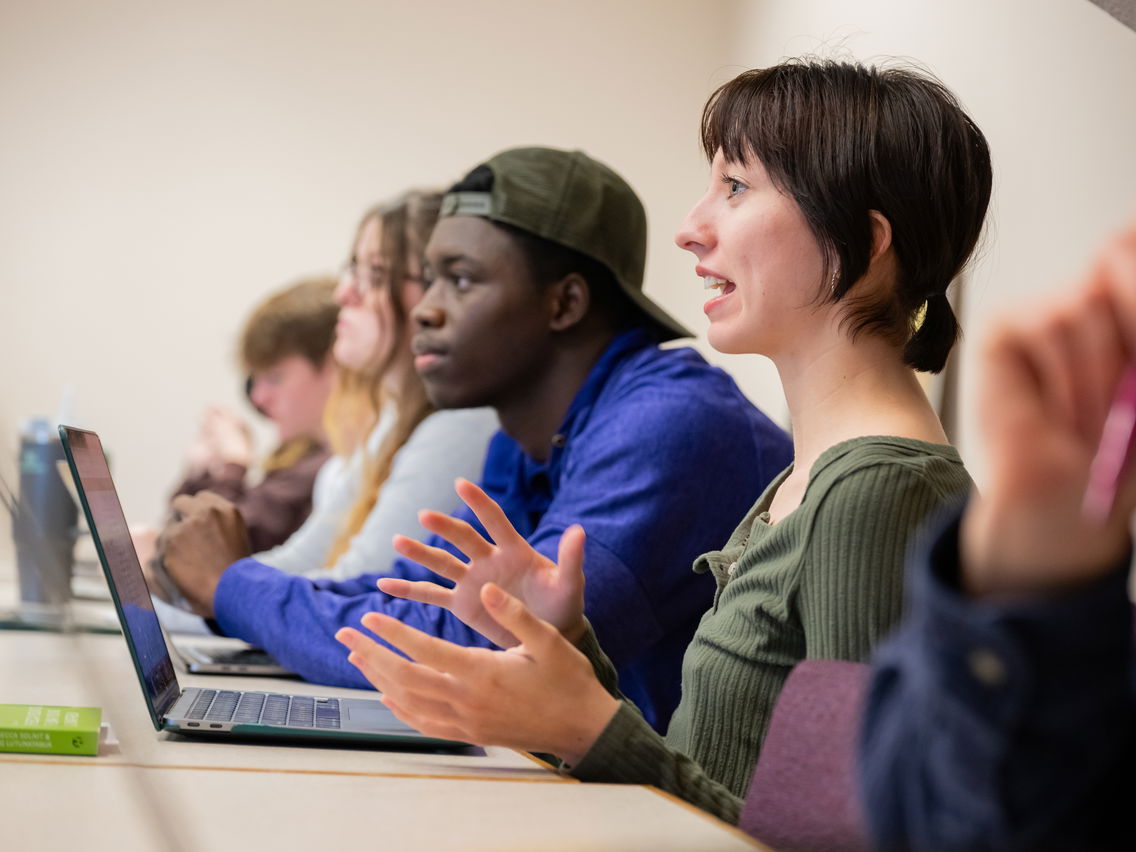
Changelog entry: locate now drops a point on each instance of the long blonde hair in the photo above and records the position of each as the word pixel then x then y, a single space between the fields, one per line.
pixel 358 397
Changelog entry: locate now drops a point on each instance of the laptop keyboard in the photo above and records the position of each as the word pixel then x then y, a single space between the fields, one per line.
pixel 265 708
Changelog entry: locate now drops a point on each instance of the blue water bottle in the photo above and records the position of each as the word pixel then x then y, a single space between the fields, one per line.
pixel 44 524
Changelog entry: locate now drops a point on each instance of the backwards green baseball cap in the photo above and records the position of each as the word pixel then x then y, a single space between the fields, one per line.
pixel 570 199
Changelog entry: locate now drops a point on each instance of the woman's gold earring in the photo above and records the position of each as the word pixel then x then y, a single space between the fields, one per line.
pixel 832 284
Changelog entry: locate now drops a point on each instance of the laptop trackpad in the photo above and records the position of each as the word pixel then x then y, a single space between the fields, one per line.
pixel 368 714
pixel 372 715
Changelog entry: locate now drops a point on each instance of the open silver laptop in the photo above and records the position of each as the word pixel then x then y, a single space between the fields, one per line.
pixel 196 658
pixel 211 712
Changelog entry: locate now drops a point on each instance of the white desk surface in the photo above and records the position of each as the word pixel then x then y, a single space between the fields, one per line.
pixel 152 791
pixel 95 670
pixel 121 809
pixel 158 791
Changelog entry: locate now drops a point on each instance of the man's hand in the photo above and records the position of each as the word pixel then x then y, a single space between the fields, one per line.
pixel 206 534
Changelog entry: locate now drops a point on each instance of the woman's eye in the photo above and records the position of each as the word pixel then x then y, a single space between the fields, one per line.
pixel 462 283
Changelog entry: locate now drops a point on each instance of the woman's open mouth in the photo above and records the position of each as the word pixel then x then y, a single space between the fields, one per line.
pixel 724 287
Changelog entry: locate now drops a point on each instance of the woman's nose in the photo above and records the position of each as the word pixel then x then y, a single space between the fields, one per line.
pixel 346 293
pixel 695 234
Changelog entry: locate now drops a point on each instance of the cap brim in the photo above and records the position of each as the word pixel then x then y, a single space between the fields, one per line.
pixel 671 327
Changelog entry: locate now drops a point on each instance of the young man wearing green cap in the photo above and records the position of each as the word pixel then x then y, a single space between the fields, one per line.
pixel 535 306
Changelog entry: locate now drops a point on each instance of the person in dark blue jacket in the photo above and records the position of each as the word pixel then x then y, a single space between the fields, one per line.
pixel 1003 714
pixel 535 306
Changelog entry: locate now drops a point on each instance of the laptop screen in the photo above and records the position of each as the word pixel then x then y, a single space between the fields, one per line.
pixel 124 575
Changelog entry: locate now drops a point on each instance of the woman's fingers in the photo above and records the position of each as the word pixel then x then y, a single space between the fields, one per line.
pixel 457 532
pixel 492 516
pixel 375 662
pixel 537 635
pixel 392 673
pixel 438 654
pixel 570 559
pixel 421 591
pixel 570 553
pixel 430 726
pixel 441 562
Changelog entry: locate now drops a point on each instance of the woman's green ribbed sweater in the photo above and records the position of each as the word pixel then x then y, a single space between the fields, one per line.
pixel 826 582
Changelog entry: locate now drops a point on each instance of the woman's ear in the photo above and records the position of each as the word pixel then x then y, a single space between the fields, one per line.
pixel 568 302
pixel 881 234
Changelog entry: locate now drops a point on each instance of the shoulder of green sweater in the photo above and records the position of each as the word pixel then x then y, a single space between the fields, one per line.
pixel 873 477
pixel 863 511
pixel 903 458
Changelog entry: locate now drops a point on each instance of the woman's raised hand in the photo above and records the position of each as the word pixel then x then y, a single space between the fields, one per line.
pixel 540 695
pixel 554 591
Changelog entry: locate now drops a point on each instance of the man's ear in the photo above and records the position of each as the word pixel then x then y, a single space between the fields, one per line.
pixel 569 299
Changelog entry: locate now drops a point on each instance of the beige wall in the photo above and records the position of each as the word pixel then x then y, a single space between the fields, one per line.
pixel 168 164
pixel 162 165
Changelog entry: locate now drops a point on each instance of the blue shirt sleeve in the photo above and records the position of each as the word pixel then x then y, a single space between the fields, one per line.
pixel 1001 725
pixel 296 618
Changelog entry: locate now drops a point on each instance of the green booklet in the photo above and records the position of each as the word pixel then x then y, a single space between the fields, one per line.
pixel 38 729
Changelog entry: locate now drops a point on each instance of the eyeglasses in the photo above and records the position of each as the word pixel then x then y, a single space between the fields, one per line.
pixel 365 277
